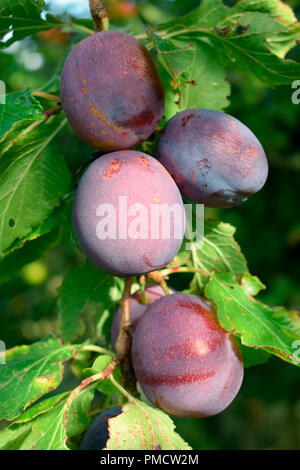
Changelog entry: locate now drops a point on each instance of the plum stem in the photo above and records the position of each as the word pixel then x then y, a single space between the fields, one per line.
pixel 99 15
pixel 181 269
pixel 121 389
pixel 124 340
pixel 142 281
pixel 99 349
pixel 53 110
pixel 46 96
pixel 159 279
pixel 125 303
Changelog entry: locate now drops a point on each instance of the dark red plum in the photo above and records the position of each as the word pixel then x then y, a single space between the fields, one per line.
pixel 186 364
pixel 111 91
pixel 213 157
pixel 120 214
pixel 152 293
pixel 97 435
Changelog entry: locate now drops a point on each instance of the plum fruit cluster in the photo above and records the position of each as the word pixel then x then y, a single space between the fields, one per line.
pixel 114 99
pixel 185 363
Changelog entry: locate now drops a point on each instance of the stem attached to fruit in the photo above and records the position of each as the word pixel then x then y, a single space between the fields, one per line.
pixel 159 279
pixel 51 111
pixel 142 281
pixel 181 269
pixel 46 96
pixel 124 340
pixel 99 15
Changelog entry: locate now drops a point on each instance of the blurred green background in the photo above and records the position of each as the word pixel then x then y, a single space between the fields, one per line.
pixel 266 413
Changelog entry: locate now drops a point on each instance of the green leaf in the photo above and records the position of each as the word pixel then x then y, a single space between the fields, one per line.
pixel 50 429
pixel 280 11
pixel 59 218
pixel 196 73
pixel 241 38
pixel 174 59
pixel 78 418
pixel 99 364
pixel 22 18
pixel 254 322
pixel 206 85
pixel 30 177
pixel 30 372
pixel 216 251
pixel 43 426
pixel 83 284
pixel 280 43
pixel 40 427
pixel 250 53
pixel 105 386
pixel 14 437
pixel 20 107
pixel 42 407
pixel 141 427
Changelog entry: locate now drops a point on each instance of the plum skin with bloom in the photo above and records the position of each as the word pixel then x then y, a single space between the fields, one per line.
pixel 111 92
pixel 146 184
pixel 214 158
pixel 185 363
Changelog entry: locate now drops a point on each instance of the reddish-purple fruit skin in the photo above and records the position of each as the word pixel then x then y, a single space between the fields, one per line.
pixel 111 91
pixel 186 364
pixel 213 157
pixel 144 182
pixel 152 293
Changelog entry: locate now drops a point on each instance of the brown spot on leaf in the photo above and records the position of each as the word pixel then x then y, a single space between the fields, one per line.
pixel 241 29
pixel 223 31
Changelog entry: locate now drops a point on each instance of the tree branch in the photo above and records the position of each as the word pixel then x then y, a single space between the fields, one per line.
pixel 99 15
pixel 124 340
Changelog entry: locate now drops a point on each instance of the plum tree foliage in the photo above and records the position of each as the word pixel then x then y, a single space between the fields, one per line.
pixel 152 103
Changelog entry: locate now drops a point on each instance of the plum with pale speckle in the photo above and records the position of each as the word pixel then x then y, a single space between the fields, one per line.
pixel 111 92
pixel 185 363
pixel 120 214
pixel 213 157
